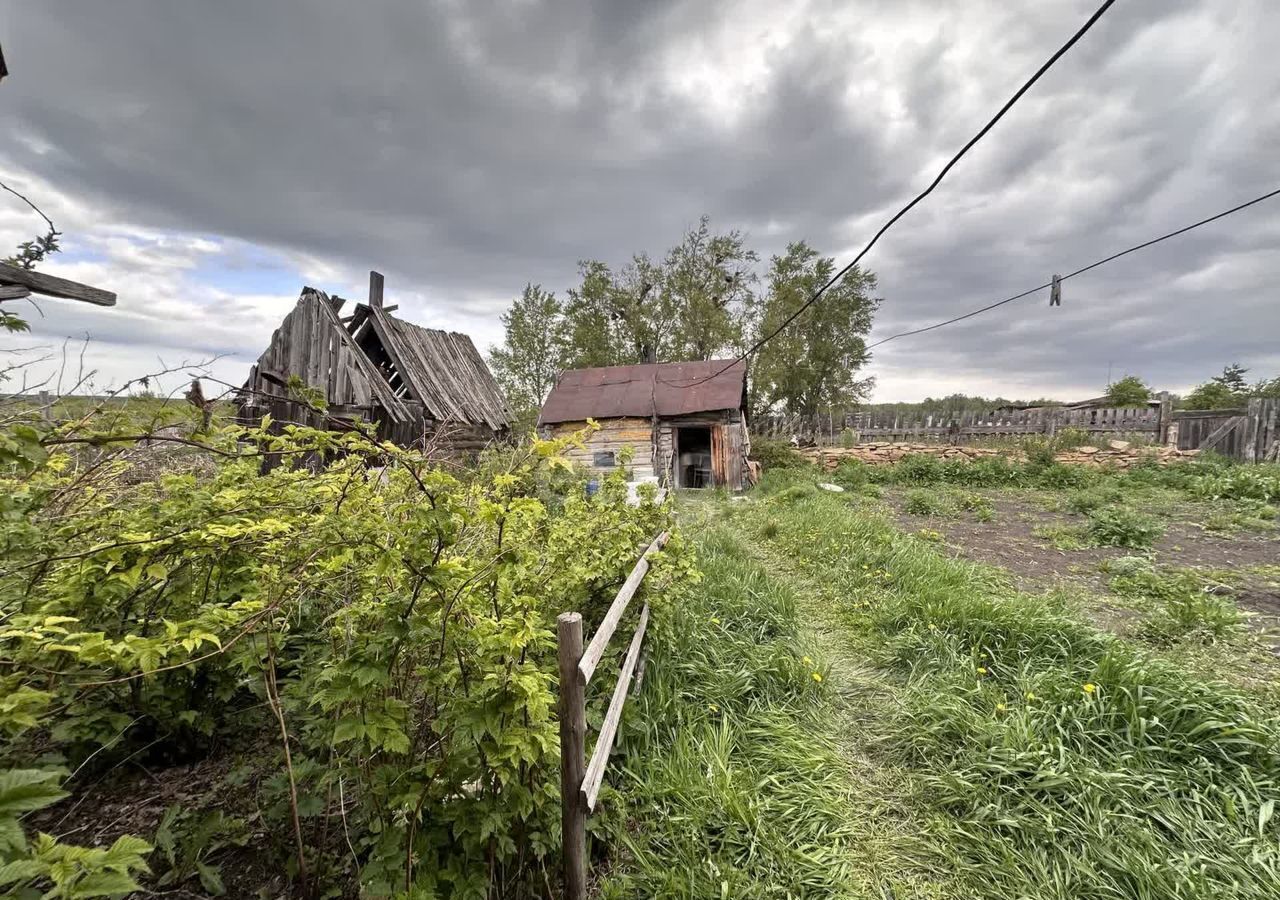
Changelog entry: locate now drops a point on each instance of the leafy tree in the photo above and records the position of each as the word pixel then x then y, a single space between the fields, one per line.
pixel 1128 391
pixel 1211 395
pixel 812 365
pixel 1232 378
pixel 1268 390
pixel 533 353
pixel 590 319
pixel 706 286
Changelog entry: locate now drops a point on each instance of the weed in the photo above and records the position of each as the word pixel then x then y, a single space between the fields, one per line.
pixel 1062 537
pixel 1118 526
pixel 1086 501
pixel 1187 605
pixel 921 502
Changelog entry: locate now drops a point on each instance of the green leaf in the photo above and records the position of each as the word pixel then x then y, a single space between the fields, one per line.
pixel 19 870
pixel 22 790
pixel 103 884
pixel 211 879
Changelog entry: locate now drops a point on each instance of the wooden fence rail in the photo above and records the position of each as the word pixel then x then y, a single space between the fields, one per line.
pixel 580 781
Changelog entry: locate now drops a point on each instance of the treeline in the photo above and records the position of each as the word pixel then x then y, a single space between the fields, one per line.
pixel 705 298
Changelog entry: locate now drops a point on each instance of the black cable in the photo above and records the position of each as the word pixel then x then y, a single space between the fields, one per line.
pixel 925 193
pixel 1101 262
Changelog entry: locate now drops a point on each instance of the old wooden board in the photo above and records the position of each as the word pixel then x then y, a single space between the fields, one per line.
pixel 52 286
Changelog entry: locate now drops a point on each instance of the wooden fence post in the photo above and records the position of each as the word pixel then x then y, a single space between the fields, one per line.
pixel 573 733
pixel 1166 419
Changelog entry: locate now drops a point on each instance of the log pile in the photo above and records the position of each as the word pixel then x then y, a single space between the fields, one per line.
pixel 1116 454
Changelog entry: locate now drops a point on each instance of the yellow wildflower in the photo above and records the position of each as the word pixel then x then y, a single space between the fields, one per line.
pixel 817 677
pixel 713 708
pixel 982 670
pixel 807 661
pixel 1030 696
pixel 1000 707
pixel 715 621
pixel 1090 688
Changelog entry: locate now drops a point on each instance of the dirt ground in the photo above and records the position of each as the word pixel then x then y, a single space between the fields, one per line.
pixel 1035 564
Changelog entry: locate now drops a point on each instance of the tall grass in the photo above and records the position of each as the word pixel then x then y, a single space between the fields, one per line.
pixel 736 774
pixel 731 783
pixel 1063 763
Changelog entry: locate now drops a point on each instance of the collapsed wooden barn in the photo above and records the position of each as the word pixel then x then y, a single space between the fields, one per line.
pixel 685 423
pixel 418 384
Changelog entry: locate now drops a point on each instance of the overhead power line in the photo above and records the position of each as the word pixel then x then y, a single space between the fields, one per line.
pixel 1080 271
pixel 817 295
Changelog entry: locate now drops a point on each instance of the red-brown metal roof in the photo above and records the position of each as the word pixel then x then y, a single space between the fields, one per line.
pixel 662 389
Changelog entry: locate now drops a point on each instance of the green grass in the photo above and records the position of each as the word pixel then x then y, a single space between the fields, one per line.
pixel 734 778
pixel 1059 762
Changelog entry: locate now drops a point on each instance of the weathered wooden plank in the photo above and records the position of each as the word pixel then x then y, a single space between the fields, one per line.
pixel 14 292
pixel 609 728
pixel 52 286
pixel 600 640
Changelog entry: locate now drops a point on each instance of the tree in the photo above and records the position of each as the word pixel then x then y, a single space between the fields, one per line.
pixel 706 288
pixel 1128 391
pixel 1211 395
pixel 1267 390
pixel 1232 378
pixel 532 354
pixel 813 363
pixel 591 330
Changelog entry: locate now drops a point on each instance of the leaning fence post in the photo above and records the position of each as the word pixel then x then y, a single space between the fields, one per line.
pixel 573 731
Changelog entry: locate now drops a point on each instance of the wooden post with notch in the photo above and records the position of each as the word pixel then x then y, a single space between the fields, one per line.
pixel 573 736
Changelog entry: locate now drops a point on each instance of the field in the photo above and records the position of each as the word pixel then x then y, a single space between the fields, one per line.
pixel 971 721
pixel 942 681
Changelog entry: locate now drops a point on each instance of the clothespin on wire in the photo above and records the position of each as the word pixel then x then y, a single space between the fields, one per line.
pixel 1055 291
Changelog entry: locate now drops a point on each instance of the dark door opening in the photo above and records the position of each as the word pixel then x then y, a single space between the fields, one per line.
pixel 693 457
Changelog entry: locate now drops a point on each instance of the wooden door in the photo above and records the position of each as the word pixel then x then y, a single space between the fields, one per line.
pixel 718 447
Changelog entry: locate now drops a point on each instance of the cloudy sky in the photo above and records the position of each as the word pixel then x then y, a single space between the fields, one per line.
pixel 205 160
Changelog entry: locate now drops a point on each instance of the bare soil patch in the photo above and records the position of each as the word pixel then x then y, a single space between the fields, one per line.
pixel 1035 564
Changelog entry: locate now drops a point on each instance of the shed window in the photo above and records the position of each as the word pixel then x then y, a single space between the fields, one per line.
pixel 604 459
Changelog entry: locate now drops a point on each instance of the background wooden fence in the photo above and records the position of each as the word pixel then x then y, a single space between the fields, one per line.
pixel 1245 434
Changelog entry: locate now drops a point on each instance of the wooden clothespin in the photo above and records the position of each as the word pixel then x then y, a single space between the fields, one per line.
pixel 1055 291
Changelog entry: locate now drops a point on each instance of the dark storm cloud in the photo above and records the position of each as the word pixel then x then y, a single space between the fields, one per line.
pixel 468 147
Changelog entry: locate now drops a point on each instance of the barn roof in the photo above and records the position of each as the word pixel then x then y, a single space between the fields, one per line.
pixel 659 389
pixel 443 369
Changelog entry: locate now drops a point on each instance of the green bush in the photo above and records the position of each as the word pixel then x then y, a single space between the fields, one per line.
pixel 919 468
pixel 851 473
pixel 1119 526
pixel 773 453
pixel 397 619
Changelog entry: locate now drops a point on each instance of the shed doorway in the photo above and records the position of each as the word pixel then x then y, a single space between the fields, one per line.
pixel 693 457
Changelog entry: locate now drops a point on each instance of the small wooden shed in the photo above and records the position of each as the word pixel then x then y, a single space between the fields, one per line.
pixel 686 422
pixel 416 383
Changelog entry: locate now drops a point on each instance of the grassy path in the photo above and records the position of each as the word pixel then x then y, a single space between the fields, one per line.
pixel 841 710
pixel 744 777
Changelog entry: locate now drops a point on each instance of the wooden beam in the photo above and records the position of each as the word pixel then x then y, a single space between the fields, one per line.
pixel 52 286
pixel 609 729
pixel 375 289
pixel 600 640
pixel 14 292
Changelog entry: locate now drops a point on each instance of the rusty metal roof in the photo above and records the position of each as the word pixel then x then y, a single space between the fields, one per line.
pixel 661 389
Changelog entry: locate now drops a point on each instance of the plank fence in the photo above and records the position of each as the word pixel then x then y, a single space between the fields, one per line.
pixel 580 780
pixel 1247 434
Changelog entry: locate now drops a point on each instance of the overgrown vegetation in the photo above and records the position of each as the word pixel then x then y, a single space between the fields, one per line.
pixel 375 631
pixel 1061 762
